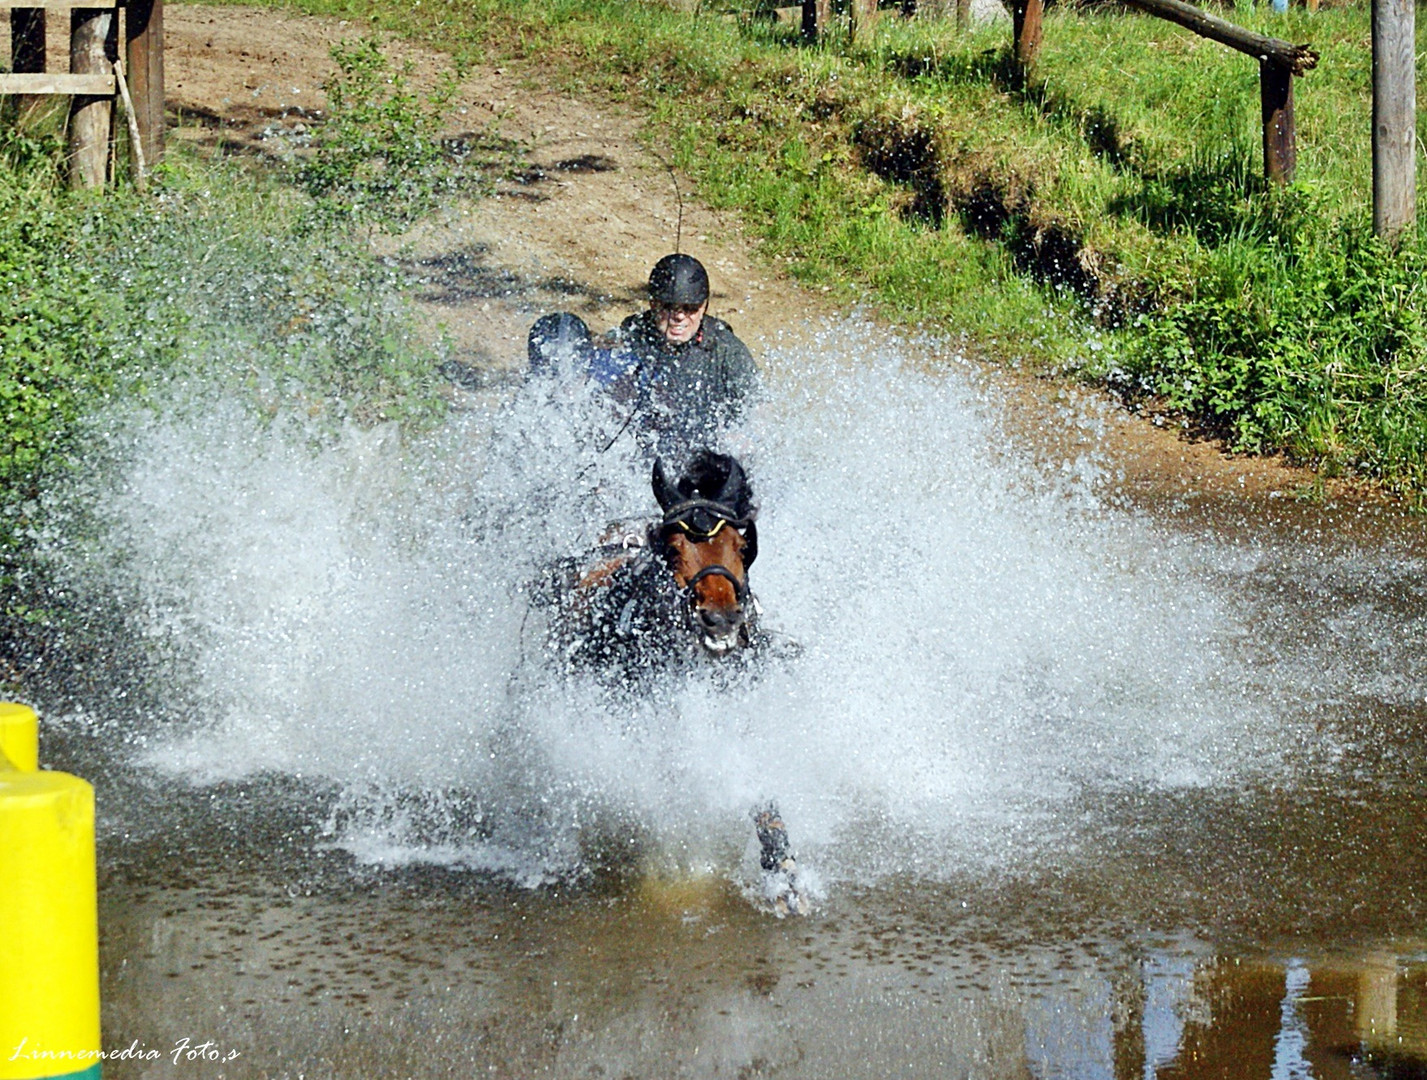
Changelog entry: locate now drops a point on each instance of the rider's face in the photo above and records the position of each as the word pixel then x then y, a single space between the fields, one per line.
pixel 678 322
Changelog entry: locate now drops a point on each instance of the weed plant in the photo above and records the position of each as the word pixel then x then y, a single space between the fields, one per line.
pixel 378 157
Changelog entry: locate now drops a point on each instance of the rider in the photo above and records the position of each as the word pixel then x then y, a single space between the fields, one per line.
pixel 561 338
pixel 687 376
pixel 555 339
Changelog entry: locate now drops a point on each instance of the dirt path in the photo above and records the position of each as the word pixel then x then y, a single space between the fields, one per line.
pixel 580 227
pixel 577 230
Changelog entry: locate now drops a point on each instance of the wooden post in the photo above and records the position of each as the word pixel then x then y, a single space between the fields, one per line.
pixel 864 17
pixel 817 20
pixel 1280 143
pixel 1394 117
pixel 963 14
pixel 92 50
pixel 1026 19
pixel 144 66
pixel 27 52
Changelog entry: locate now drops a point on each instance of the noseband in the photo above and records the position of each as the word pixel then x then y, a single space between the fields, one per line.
pixel 740 588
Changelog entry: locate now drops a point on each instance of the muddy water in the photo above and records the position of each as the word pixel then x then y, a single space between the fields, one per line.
pixel 1091 781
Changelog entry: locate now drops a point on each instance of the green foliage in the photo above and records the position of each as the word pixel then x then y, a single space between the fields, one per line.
pixel 62 337
pixel 224 275
pixel 219 280
pixel 379 155
pixel 31 142
pixel 1318 348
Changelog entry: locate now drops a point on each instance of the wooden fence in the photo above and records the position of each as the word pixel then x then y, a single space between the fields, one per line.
pixel 1279 63
pixel 96 78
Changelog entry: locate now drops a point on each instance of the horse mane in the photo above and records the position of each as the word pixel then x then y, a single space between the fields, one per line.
pixel 708 474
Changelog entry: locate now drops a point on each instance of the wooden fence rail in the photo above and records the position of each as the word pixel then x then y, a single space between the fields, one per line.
pixel 1279 63
pixel 95 78
pixel 1297 58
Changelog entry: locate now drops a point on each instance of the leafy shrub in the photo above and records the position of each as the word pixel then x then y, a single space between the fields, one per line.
pixel 216 278
pixel 379 155
pixel 1318 347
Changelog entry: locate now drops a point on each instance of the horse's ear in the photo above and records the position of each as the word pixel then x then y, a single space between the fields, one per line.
pixel 733 485
pixel 664 491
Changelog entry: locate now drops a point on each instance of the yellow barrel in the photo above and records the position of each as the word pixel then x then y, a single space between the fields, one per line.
pixel 19 737
pixel 49 921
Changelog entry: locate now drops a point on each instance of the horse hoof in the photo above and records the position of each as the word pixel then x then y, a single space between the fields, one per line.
pixel 782 896
pixel 774 849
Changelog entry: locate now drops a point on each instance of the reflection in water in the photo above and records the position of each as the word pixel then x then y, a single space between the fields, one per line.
pixel 1291 1041
pixel 1169 997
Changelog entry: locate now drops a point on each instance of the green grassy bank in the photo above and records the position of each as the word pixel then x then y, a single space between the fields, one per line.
pixel 256 289
pixel 1108 220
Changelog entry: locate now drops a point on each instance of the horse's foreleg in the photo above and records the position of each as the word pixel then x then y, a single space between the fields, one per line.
pixel 775 856
pixel 774 849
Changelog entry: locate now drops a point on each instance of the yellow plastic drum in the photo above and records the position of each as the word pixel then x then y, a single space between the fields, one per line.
pixel 19 737
pixel 49 924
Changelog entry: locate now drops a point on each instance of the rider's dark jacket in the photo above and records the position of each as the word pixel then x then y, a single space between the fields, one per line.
pixel 684 395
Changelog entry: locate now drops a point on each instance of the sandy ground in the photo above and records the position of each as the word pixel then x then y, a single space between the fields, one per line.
pixel 593 208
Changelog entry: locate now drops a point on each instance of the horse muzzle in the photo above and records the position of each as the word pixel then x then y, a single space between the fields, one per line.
pixel 721 628
pixel 720 631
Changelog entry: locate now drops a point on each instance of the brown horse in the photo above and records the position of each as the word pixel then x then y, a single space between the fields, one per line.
pixel 673 590
pixel 677 589
pixel 708 540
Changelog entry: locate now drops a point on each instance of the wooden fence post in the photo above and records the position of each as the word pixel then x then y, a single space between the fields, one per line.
pixel 144 66
pixel 1026 20
pixel 963 14
pixel 1394 117
pixel 864 17
pixel 93 42
pixel 1280 142
pixel 817 19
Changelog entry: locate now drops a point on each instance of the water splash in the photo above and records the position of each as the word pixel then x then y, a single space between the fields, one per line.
pixel 981 642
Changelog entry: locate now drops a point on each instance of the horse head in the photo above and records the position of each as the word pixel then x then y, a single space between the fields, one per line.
pixel 708 539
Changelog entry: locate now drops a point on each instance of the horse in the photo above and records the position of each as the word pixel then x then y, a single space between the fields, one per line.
pixel 675 593
pixel 672 592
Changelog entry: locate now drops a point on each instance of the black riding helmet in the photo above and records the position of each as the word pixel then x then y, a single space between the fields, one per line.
pixel 554 337
pixel 679 279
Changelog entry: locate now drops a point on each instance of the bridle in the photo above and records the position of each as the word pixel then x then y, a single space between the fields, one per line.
pixel 701 520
